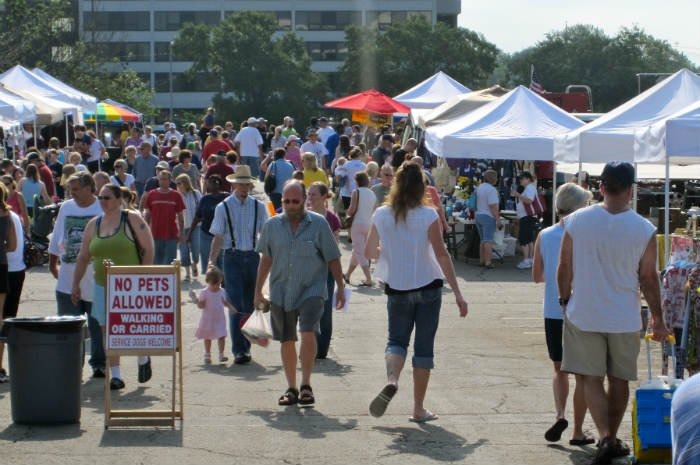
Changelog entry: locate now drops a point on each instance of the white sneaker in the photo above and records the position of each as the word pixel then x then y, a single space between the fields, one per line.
pixel 525 264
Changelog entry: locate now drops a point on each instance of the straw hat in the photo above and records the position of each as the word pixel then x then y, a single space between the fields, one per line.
pixel 241 176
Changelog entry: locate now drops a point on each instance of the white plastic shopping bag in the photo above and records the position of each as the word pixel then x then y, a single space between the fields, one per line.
pixel 346 307
pixel 257 328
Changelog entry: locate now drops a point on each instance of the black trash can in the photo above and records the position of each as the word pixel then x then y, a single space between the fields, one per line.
pixel 45 360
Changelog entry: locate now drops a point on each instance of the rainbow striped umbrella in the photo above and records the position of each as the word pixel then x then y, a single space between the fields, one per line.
pixel 110 112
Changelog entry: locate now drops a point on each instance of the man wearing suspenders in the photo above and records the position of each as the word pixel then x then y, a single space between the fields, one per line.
pixel 237 223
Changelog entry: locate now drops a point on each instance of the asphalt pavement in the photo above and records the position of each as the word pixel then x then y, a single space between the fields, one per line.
pixel 491 388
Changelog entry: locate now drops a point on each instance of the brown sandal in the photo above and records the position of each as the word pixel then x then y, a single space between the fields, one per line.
pixel 290 397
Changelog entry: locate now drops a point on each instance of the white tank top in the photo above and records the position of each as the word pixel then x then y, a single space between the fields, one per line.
pixel 365 206
pixel 607 249
pixel 406 258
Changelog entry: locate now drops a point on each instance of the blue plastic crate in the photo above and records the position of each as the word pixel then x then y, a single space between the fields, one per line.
pixel 653 417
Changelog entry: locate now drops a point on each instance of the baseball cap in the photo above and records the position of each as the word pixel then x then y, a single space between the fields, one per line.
pixel 33 156
pixel 617 176
pixel 252 120
pixel 163 165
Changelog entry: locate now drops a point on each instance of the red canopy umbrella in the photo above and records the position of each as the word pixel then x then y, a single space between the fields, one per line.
pixel 371 101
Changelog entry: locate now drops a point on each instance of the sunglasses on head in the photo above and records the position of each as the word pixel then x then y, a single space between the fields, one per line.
pixel 292 201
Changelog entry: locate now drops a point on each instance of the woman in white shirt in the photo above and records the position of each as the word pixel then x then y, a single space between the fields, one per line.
pixel 362 204
pixel 120 177
pixel 412 262
pixel 487 216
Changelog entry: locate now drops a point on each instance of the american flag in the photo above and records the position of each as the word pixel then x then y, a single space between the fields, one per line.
pixel 535 84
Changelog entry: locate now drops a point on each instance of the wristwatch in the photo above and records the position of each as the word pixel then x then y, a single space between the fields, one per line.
pixel 563 301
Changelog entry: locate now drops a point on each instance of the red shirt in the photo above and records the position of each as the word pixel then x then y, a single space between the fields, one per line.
pixel 46 176
pixel 223 170
pixel 213 147
pixel 164 207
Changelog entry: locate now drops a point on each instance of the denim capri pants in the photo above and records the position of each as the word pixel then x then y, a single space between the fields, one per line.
pixel 486 226
pixel 419 309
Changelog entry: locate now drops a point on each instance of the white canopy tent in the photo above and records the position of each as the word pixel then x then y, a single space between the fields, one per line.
pixel 651 143
pixel 644 171
pixel 432 92
pixel 456 106
pixel 518 126
pixel 51 104
pixel 611 137
pixel 88 102
pixel 683 134
pixel 15 108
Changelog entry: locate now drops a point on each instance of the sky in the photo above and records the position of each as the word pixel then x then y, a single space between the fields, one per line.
pixel 517 24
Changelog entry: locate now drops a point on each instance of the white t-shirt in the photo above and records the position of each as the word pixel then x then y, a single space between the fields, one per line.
pixel 317 149
pixel 128 182
pixel 365 206
pixel 530 192
pixel 486 195
pixel 607 249
pixel 65 243
pixel 250 139
pixel 96 148
pixel 15 259
pixel 407 260
pixel 324 133
pixel 348 170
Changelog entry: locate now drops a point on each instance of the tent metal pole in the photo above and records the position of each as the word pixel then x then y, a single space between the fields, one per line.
pixel 554 193
pixel 667 215
pixel 66 120
pixel 635 190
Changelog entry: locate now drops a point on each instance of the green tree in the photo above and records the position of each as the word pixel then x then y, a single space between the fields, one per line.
pixel 43 34
pixel 583 54
pixel 259 72
pixel 414 50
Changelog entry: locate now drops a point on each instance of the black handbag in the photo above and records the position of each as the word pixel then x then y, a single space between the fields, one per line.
pixel 270 181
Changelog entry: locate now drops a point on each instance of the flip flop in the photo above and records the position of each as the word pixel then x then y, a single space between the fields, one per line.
pixel 381 402
pixel 553 434
pixel 366 284
pixel 429 416
pixel 584 441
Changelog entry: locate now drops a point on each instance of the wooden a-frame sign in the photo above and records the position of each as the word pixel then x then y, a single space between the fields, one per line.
pixel 144 318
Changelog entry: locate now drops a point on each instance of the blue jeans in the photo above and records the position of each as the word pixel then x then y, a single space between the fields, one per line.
pixel 323 338
pixel 189 251
pixel 422 310
pixel 205 240
pixel 254 164
pixel 97 350
pixel 240 273
pixel 165 251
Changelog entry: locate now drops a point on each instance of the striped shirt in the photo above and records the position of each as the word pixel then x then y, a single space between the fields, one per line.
pixel 299 260
pixel 242 219
pixel 685 422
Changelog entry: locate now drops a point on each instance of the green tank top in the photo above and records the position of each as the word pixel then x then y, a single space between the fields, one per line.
pixel 118 248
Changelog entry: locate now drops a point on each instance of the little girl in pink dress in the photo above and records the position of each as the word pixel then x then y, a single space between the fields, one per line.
pixel 212 322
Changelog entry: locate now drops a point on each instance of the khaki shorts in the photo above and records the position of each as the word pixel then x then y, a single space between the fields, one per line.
pixel 599 354
pixel 284 323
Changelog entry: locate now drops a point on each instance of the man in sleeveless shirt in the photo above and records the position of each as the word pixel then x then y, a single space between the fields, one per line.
pixel 608 253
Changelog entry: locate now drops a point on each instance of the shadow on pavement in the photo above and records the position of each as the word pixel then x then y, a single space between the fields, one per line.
pixel 19 433
pixel 308 423
pixel 93 397
pixel 330 367
pixel 252 371
pixel 430 441
pixel 142 436
pixel 578 455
